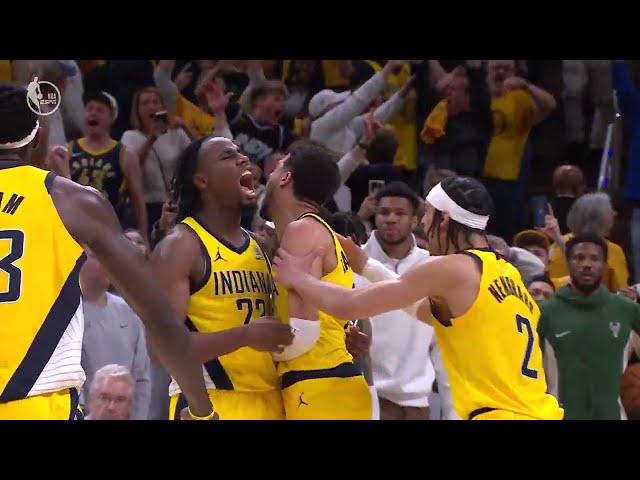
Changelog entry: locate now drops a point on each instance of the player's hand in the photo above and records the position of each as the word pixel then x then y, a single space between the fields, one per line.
pixel 268 334
pixel 356 257
pixel 288 268
pixel 184 415
pixel 357 342
pixel 629 292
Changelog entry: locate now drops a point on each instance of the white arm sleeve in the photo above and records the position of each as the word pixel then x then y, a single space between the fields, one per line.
pixel 305 335
pixel 374 271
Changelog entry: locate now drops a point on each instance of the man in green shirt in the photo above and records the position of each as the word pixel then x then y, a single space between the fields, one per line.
pixel 585 330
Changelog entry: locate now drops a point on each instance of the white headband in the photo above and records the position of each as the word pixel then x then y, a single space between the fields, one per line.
pixel 441 201
pixel 21 143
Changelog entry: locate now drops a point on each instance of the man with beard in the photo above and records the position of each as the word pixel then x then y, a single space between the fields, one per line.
pixel 318 378
pixel 404 356
pixel 586 332
pixel 486 320
pixel 218 280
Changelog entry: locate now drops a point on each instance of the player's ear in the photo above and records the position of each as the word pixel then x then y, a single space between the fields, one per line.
pixel 286 179
pixel 199 181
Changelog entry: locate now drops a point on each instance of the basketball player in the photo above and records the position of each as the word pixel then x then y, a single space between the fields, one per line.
pixel 486 320
pixel 44 220
pixel 219 280
pixel 319 381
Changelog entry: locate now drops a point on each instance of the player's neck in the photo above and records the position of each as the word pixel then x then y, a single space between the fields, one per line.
pixel 397 251
pixel 223 221
pixel 8 161
pixel 97 142
pixel 474 242
pixel 285 215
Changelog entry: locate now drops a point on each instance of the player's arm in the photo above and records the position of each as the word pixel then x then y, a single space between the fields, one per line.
pixel 301 238
pixel 375 272
pixel 430 277
pixel 133 174
pixel 177 259
pixel 91 221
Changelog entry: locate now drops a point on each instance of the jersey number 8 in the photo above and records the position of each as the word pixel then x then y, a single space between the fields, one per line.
pixel 8 269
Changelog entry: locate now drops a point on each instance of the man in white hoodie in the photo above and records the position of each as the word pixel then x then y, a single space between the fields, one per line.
pixel 405 357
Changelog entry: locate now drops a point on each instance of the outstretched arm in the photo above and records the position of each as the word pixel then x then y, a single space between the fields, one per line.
pixel 422 280
pixel 91 221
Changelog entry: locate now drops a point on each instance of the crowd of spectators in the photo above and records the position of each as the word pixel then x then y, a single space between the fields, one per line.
pixel 532 131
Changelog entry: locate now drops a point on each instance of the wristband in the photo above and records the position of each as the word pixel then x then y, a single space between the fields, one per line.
pixel 208 417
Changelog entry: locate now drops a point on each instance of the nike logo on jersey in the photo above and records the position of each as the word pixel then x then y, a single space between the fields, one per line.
pixel 302 402
pixel 562 334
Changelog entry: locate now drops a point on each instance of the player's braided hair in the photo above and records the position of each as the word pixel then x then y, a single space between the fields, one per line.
pixel 185 192
pixel 17 120
pixel 469 194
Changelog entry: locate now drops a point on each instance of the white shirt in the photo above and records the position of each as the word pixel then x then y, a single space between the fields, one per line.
pixel 161 161
pixel 405 358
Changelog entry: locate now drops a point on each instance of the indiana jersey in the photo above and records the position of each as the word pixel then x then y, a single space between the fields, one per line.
pixel 41 322
pixel 236 289
pixel 330 350
pixel 102 170
pixel 491 352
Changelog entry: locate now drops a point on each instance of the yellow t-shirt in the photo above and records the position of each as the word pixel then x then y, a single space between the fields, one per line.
pixel 616 276
pixel 5 71
pixel 403 124
pixel 512 122
pixel 199 121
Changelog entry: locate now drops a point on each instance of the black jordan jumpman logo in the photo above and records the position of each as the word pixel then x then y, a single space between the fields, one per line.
pixel 302 402
pixel 218 256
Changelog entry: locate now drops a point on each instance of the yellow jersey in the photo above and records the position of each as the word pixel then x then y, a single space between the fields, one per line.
pixel 330 349
pixel 41 321
pixel 236 289
pixel 512 122
pixel 491 353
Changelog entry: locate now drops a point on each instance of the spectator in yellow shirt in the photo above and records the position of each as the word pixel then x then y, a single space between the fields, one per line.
pixel 517 106
pixel 592 213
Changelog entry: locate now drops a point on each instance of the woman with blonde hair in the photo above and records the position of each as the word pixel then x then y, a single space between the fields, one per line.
pixel 159 141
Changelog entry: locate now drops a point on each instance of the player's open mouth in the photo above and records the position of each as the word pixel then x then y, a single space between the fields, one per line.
pixel 92 123
pixel 246 184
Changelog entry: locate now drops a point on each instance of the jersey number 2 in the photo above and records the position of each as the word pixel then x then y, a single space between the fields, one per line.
pixel 526 371
pixel 260 305
pixel 7 265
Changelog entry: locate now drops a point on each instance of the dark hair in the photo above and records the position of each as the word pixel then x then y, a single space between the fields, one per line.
pixel 186 193
pixel 17 120
pixel 348 224
pixel 586 238
pixel 469 194
pixel 362 72
pixel 315 173
pixel 383 147
pixel 544 279
pixel 402 190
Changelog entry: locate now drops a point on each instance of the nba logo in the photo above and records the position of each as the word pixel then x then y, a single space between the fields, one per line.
pixel 259 255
